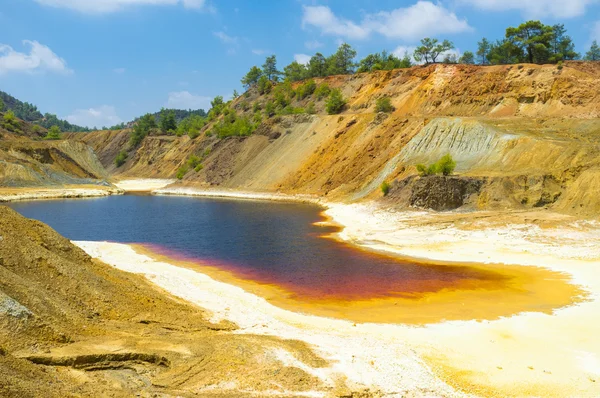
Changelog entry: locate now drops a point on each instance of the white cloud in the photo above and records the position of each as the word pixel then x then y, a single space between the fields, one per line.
pixel 417 21
pixel 119 71
pixel 187 100
pixel 225 38
pixel 313 44
pixel 258 51
pixel 40 58
pixel 323 18
pixel 424 18
pixel 104 115
pixel 302 58
pixel 108 6
pixel 535 8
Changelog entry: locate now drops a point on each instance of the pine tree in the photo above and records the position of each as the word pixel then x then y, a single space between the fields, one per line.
pixel 594 53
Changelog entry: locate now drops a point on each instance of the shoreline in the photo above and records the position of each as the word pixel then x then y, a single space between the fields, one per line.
pixel 527 354
pixel 33 193
pixel 241 195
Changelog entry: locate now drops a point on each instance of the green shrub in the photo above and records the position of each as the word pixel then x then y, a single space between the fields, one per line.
pixel 385 188
pixel 233 125
pixel 193 161
pixel 310 109
pixel 53 134
pixel 121 158
pixel 290 110
pixel 322 91
pixel 181 172
pixel 445 166
pixel 256 107
pixel 307 89
pixel 191 125
pixel 384 104
pixel 335 103
pixel 269 109
pixel 198 168
pixel 264 85
pixel 10 122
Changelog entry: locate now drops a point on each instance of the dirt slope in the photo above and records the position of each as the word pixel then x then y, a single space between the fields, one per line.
pixel 28 161
pixel 527 133
pixel 71 326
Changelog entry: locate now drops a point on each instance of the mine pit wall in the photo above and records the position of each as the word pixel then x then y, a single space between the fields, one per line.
pixel 523 136
pixel 30 163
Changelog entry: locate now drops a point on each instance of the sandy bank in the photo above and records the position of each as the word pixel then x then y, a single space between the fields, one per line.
pixel 232 194
pixel 143 184
pixel 14 194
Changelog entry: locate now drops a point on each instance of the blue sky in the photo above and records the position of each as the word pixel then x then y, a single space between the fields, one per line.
pixel 100 62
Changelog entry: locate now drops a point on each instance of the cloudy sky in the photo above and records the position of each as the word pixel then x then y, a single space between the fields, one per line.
pixel 100 62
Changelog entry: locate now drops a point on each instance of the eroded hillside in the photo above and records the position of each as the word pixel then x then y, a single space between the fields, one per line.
pixel 27 160
pixel 73 326
pixel 523 136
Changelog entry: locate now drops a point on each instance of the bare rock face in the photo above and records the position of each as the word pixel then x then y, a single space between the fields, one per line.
pixel 437 193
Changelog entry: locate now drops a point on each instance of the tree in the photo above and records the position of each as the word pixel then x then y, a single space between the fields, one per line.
pixel 121 158
pixel 251 78
pixel 382 61
pixel 53 133
pixel 342 62
pixel 406 61
pixel 317 66
pixel 450 58
pixel 295 71
pixel 141 129
pixel 235 94
pixel 562 46
pixel 430 50
pixel 467 58
pixel 270 68
pixel 367 63
pixel 1 105
pixel 264 85
pixel 336 102
pixel 594 53
pixel 504 52
pixel 167 120
pixel 483 49
pixel 533 38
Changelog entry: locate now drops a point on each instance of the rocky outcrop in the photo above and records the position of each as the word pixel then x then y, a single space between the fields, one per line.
pixel 435 192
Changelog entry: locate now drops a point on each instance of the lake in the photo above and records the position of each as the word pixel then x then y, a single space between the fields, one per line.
pixel 267 242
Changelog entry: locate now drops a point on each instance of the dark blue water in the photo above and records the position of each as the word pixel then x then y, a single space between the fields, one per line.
pixel 268 242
